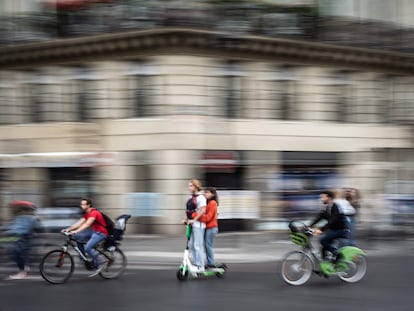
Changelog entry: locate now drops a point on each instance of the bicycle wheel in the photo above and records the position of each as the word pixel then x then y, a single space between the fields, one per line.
pixel 116 266
pixel 356 269
pixel 296 268
pixel 57 266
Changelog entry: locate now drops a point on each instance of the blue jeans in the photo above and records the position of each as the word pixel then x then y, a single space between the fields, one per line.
pixel 209 241
pixel 197 245
pixel 20 251
pixel 83 237
pixel 328 238
pixel 92 238
pixel 352 224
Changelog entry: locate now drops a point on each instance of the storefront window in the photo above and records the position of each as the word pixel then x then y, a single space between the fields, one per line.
pixel 69 185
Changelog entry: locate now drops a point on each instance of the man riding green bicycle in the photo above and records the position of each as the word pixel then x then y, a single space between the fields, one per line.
pixel 337 226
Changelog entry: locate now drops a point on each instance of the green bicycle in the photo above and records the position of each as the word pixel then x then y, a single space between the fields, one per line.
pixel 298 266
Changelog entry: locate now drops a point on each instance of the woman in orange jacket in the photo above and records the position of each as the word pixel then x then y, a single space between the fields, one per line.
pixel 210 218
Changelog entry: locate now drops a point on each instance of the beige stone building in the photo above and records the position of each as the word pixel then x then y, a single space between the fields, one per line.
pixel 123 116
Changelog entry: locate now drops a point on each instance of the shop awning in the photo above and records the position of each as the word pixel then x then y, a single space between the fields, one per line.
pixel 72 4
pixel 220 160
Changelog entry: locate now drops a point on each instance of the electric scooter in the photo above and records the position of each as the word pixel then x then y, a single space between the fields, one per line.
pixel 187 269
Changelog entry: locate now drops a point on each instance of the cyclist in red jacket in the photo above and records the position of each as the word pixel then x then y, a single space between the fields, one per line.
pixel 90 228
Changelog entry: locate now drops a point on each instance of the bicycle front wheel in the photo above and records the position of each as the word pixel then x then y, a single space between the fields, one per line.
pixel 57 266
pixel 296 268
pixel 116 264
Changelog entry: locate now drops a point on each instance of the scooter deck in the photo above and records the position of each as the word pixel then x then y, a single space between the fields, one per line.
pixel 212 272
pixel 218 271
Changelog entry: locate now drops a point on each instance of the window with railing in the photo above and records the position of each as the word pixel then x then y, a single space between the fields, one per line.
pixel 31 97
pixel 286 95
pixel 7 106
pixel 84 94
pixel 275 94
pixel 50 96
pixel 386 89
pixel 373 98
pixel 228 90
pixel 379 100
pixel 142 91
pixel 335 98
pixel 403 108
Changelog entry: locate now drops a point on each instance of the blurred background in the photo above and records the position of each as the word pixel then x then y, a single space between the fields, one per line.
pixel 270 101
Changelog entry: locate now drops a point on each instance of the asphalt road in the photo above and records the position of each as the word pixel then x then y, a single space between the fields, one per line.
pixel 247 286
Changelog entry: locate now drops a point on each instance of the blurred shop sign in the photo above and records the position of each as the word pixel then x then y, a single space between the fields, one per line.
pixel 220 160
pixel 400 201
pixel 401 209
pixel 238 204
pixel 56 159
pixel 71 4
pixel 144 204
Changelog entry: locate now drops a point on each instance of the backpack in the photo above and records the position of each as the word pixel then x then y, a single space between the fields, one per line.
pixel 344 207
pixel 109 224
pixel 191 206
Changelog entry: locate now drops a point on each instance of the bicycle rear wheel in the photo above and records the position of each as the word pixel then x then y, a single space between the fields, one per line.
pixel 296 268
pixel 57 266
pixel 116 264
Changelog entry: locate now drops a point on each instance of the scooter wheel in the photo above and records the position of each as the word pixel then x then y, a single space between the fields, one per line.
pixel 182 275
pixel 222 274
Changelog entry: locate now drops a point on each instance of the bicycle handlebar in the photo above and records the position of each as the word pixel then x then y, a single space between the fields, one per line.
pixel 68 235
pixel 298 226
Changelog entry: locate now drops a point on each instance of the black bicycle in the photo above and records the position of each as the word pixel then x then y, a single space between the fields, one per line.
pixel 58 265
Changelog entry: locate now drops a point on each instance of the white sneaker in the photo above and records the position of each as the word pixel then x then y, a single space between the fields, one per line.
pixel 194 270
pixel 18 276
pixel 98 270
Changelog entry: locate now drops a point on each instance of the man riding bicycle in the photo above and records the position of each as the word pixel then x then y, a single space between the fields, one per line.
pixel 337 226
pixel 91 228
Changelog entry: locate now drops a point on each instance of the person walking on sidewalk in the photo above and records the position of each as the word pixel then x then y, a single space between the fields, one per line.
pixel 92 230
pixel 196 207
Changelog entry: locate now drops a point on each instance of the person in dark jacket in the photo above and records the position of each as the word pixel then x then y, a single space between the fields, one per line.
pixel 337 225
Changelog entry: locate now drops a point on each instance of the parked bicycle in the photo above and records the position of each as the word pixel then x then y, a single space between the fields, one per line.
pixel 58 265
pixel 298 266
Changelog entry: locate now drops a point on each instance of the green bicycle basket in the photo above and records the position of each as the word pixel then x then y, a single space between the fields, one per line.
pixel 299 238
